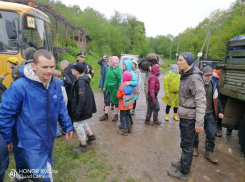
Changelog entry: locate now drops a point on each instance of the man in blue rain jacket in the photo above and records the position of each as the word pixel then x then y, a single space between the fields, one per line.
pixel 29 112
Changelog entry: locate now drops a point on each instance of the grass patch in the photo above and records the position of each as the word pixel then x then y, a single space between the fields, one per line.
pixel 166 66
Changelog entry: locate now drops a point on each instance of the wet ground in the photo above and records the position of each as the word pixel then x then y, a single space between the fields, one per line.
pixel 146 154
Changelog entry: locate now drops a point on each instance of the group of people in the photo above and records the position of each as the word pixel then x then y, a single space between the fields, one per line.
pixel 38 98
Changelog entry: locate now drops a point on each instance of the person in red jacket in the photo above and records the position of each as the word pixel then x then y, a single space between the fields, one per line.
pixel 126 94
pixel 153 104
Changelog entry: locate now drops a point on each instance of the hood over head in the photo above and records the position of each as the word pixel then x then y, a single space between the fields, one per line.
pixel 115 60
pixel 29 52
pixel 174 68
pixel 127 76
pixel 135 61
pixel 128 63
pixel 155 70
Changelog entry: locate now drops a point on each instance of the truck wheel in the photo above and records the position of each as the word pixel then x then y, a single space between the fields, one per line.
pixel 241 135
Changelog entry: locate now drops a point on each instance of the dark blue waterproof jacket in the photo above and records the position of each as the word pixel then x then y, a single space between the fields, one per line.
pixel 103 74
pixel 28 117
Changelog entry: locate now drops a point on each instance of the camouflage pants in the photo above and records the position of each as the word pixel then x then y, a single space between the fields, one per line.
pixel 81 127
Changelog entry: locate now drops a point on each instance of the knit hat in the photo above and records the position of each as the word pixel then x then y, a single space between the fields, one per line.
pixel 188 56
pixel 78 66
pixel 127 76
pixel 115 60
pixel 174 68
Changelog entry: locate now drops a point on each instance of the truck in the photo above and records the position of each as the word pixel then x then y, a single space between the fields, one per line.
pixel 21 27
pixel 232 88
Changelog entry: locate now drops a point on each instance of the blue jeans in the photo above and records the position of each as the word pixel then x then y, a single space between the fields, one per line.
pixel 210 130
pixel 125 119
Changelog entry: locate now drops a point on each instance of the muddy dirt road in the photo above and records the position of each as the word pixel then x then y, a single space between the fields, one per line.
pixel 147 153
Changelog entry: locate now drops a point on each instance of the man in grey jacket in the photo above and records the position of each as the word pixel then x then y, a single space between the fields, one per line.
pixel 192 107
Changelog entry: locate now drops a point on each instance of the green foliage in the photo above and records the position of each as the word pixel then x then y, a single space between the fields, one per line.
pixel 64 42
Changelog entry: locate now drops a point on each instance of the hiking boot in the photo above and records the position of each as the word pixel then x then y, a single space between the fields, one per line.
pixel 132 112
pixel 176 164
pixel 149 123
pixel 91 138
pixel 195 152
pixel 166 117
pixel 209 155
pixel 130 128
pixel 177 174
pixel 80 148
pixel 122 132
pixel 219 133
pixel 115 118
pixel 175 117
pixel 228 132
pixel 103 118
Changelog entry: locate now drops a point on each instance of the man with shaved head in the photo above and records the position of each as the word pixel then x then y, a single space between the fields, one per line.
pixel 29 112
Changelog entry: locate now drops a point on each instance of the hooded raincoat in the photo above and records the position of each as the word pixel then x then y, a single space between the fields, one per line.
pixel 28 118
pixel 134 81
pixel 171 87
pixel 112 82
pixel 138 75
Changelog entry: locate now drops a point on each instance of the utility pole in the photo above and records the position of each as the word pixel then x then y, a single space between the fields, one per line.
pixel 177 53
pixel 210 31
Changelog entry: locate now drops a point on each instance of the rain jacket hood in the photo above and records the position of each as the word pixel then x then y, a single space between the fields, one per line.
pixel 155 70
pixel 128 64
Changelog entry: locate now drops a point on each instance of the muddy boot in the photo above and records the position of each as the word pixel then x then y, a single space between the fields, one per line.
pixel 91 138
pixel 148 117
pixel 195 152
pixel 166 117
pixel 130 128
pixel 80 148
pixel 104 117
pixel 175 117
pixel 155 118
pixel 122 132
pixel 176 164
pixel 219 133
pixel 177 174
pixel 209 155
pixel 132 112
pixel 115 118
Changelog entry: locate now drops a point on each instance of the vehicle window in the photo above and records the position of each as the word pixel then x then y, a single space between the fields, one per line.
pixel 8 23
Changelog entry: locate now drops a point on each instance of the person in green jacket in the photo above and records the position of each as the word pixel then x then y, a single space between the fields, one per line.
pixel 111 85
pixel 171 86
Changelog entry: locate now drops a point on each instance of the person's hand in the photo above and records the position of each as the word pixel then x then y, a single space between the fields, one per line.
pixel 221 115
pixel 198 129
pixel 126 83
pixel 104 89
pixel 68 135
pixel 10 147
pixel 2 76
pixel 167 95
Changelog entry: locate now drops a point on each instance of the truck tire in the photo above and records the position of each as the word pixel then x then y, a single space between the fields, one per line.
pixel 241 135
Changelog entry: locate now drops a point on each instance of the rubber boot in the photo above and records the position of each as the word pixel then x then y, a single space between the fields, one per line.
pixel 80 148
pixel 132 112
pixel 175 117
pixel 148 117
pixel 103 118
pixel 209 155
pixel 115 118
pixel 177 174
pixel 176 164
pixel 155 118
pixel 219 133
pixel 228 132
pixel 195 152
pixel 130 128
pixel 166 117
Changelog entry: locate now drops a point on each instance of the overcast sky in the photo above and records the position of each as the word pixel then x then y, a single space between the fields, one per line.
pixel 160 16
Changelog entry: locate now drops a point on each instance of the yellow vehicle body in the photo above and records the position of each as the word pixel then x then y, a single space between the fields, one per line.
pixel 26 14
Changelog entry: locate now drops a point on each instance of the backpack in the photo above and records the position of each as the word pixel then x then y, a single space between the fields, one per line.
pixel 128 100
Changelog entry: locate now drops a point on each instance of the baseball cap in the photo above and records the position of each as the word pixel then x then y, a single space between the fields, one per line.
pixel 207 71
pixel 78 66
pixel 13 60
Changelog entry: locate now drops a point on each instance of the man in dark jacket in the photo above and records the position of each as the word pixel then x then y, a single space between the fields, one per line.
pixel 102 62
pixel 87 68
pixel 68 80
pixel 29 113
pixel 83 106
pixel 212 96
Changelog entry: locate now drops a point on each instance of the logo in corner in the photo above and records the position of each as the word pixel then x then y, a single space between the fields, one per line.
pixel 12 173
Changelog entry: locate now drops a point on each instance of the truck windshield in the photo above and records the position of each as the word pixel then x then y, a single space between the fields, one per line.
pixel 7 40
pixel 36 33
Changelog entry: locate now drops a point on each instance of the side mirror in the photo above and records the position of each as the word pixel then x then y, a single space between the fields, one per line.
pixel 11 29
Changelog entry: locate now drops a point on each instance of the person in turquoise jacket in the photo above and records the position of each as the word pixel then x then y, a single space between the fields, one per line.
pixel 127 66
pixel 29 112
